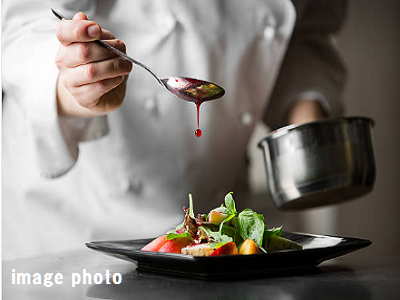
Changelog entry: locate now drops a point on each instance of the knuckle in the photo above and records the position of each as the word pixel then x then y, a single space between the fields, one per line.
pixel 116 64
pixel 121 66
pixel 91 71
pixel 59 34
pixel 83 51
pixel 65 81
pixel 77 32
pixel 59 61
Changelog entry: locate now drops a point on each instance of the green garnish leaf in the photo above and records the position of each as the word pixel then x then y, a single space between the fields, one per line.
pixel 230 204
pixel 229 209
pixel 216 245
pixel 251 226
pixel 219 238
pixel 173 235
pixel 273 231
pixel 228 230
pixel 225 221
pixel 191 212
pixel 235 227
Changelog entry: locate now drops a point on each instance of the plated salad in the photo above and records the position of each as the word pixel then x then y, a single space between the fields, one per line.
pixel 223 231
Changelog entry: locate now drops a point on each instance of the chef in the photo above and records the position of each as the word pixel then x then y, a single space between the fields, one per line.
pixel 94 148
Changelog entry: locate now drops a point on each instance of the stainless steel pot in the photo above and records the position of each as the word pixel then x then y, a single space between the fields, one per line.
pixel 319 163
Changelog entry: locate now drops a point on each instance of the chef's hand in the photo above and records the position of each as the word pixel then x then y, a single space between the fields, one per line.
pixel 304 111
pixel 92 79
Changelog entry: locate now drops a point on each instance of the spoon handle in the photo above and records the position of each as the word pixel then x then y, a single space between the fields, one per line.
pixel 126 57
pixel 115 50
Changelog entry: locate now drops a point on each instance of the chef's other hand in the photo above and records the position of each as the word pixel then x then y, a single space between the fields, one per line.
pixel 92 79
pixel 304 111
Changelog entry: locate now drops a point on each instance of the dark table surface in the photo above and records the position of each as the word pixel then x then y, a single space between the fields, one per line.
pixel 353 276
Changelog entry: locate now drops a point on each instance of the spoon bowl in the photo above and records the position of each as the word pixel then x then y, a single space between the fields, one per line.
pixel 193 90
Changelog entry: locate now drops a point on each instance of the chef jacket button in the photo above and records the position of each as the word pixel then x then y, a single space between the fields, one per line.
pixel 167 22
pixel 150 105
pixel 129 185
pixel 269 33
pixel 246 118
pixel 136 186
pixel 125 184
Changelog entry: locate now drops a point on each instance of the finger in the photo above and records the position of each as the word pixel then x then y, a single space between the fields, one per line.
pixel 97 71
pixel 77 54
pixel 106 35
pixel 96 90
pixel 71 31
pixel 80 16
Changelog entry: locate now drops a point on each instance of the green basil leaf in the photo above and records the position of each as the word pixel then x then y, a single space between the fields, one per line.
pixel 237 237
pixel 230 203
pixel 273 231
pixel 173 235
pixel 216 245
pixel 229 231
pixel 219 238
pixel 251 226
pixel 225 221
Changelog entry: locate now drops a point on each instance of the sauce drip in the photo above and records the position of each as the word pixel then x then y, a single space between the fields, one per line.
pixel 198 132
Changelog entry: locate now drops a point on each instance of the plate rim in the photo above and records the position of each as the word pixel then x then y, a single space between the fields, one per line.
pixel 351 244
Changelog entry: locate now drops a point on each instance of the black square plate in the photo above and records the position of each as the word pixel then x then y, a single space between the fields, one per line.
pixel 316 249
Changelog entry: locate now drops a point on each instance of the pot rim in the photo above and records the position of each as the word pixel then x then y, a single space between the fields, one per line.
pixel 286 129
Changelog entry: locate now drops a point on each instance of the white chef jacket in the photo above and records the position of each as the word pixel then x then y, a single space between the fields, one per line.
pixel 67 181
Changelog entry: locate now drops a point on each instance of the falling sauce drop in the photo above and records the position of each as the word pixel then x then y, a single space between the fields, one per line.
pixel 198 132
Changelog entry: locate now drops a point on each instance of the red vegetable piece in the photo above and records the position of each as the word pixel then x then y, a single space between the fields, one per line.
pixel 155 244
pixel 175 245
pixel 227 249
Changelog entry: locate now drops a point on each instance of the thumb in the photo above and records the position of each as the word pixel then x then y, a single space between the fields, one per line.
pixel 80 16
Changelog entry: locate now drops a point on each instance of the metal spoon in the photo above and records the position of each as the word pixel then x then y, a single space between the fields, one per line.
pixel 188 89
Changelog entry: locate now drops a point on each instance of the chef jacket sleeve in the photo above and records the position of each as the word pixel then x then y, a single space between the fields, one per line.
pixel 29 46
pixel 312 67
